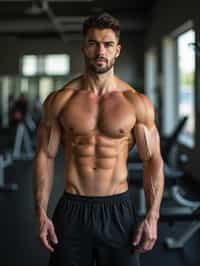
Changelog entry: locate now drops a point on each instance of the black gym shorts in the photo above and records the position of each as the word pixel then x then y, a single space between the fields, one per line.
pixel 94 229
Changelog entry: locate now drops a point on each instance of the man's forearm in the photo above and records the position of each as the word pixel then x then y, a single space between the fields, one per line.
pixel 42 182
pixel 153 185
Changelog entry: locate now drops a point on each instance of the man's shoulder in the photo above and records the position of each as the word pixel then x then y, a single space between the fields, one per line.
pixel 143 106
pixel 73 84
pixel 132 94
pixel 138 99
pixel 55 101
pixel 144 109
pixel 124 86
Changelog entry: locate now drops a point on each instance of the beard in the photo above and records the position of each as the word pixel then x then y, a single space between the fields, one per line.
pixel 99 69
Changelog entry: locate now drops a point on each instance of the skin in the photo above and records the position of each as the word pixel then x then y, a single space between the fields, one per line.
pixel 98 118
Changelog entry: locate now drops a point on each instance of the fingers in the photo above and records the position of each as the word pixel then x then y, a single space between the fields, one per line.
pixel 52 234
pixel 147 232
pixel 47 228
pixel 45 242
pixel 147 245
pixel 138 236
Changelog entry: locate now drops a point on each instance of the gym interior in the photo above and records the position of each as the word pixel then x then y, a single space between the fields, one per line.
pixel 40 51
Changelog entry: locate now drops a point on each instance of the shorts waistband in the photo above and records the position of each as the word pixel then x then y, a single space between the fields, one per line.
pixel 95 199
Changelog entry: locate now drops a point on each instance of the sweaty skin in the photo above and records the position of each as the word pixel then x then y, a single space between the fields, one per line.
pixel 97 120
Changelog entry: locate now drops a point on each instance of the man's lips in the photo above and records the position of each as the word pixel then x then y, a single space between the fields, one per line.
pixel 100 60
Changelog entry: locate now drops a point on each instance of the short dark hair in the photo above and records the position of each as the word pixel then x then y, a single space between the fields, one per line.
pixel 102 21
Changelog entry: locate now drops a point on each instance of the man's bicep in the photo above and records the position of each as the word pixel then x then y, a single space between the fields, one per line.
pixel 147 141
pixel 41 137
pixel 48 137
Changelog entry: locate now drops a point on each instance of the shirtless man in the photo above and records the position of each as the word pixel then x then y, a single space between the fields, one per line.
pixel 98 118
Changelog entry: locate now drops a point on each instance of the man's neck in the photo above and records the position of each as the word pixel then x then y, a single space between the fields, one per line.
pixel 99 84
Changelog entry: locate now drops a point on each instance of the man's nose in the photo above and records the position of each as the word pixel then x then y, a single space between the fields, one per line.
pixel 101 50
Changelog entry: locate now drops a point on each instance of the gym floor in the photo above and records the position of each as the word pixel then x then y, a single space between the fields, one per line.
pixel 19 245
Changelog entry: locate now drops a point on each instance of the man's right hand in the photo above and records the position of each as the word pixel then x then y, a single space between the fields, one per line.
pixel 45 230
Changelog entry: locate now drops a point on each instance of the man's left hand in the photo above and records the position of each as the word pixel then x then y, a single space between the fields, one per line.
pixel 146 235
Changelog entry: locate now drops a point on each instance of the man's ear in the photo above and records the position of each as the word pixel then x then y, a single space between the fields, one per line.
pixel 118 50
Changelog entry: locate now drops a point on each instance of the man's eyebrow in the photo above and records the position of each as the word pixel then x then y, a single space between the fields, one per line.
pixel 91 40
pixel 109 42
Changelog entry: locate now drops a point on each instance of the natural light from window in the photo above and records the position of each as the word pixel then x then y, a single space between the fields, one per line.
pixel 186 72
pixel 50 65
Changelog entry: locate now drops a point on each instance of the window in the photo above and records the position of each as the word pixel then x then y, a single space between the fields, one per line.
pixel 151 73
pixel 29 65
pixel 186 72
pixel 54 64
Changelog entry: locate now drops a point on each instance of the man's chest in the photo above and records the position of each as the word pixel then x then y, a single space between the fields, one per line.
pixel 112 115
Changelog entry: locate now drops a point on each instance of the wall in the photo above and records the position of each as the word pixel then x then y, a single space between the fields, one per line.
pixel 128 66
pixel 168 16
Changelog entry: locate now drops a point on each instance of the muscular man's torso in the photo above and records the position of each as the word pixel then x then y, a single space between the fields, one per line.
pixel 96 132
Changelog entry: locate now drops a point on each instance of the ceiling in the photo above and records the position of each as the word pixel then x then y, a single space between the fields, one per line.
pixel 63 18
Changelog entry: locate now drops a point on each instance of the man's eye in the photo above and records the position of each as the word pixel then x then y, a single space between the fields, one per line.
pixel 108 44
pixel 91 43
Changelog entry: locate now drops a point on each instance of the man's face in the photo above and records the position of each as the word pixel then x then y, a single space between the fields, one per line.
pixel 100 50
